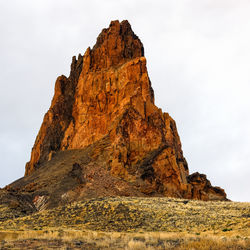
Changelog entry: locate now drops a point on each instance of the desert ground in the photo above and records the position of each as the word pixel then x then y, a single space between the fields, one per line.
pixel 129 223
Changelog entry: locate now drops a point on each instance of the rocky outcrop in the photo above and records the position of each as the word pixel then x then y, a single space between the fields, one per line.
pixel 109 95
pixel 202 188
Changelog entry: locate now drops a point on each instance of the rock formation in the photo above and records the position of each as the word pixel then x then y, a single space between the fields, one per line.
pixel 108 101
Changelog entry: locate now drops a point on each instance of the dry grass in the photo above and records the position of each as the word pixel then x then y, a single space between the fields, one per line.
pixel 140 214
pixel 132 223
pixel 116 240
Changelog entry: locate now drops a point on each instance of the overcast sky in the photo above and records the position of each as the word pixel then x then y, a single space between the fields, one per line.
pixel 198 57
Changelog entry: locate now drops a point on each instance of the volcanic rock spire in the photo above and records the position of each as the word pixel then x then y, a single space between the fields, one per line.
pixel 108 99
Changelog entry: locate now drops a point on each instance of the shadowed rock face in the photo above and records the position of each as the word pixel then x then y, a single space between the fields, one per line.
pixel 108 97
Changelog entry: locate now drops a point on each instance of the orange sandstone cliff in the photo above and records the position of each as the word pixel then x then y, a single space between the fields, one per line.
pixel 107 103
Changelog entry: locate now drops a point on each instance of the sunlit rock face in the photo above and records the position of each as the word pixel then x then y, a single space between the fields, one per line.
pixel 109 95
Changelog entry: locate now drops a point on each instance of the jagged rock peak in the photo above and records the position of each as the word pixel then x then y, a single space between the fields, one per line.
pixel 115 45
pixel 106 108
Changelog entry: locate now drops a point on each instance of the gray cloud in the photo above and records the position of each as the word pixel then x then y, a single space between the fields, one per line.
pixel 198 61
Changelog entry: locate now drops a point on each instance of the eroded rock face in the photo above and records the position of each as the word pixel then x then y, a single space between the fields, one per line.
pixel 109 94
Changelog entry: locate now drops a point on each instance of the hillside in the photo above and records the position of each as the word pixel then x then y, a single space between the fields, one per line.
pixel 116 221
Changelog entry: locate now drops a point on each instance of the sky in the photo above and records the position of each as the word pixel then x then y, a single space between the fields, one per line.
pixel 198 59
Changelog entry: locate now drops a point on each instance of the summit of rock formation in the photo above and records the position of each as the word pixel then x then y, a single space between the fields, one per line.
pixel 103 135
